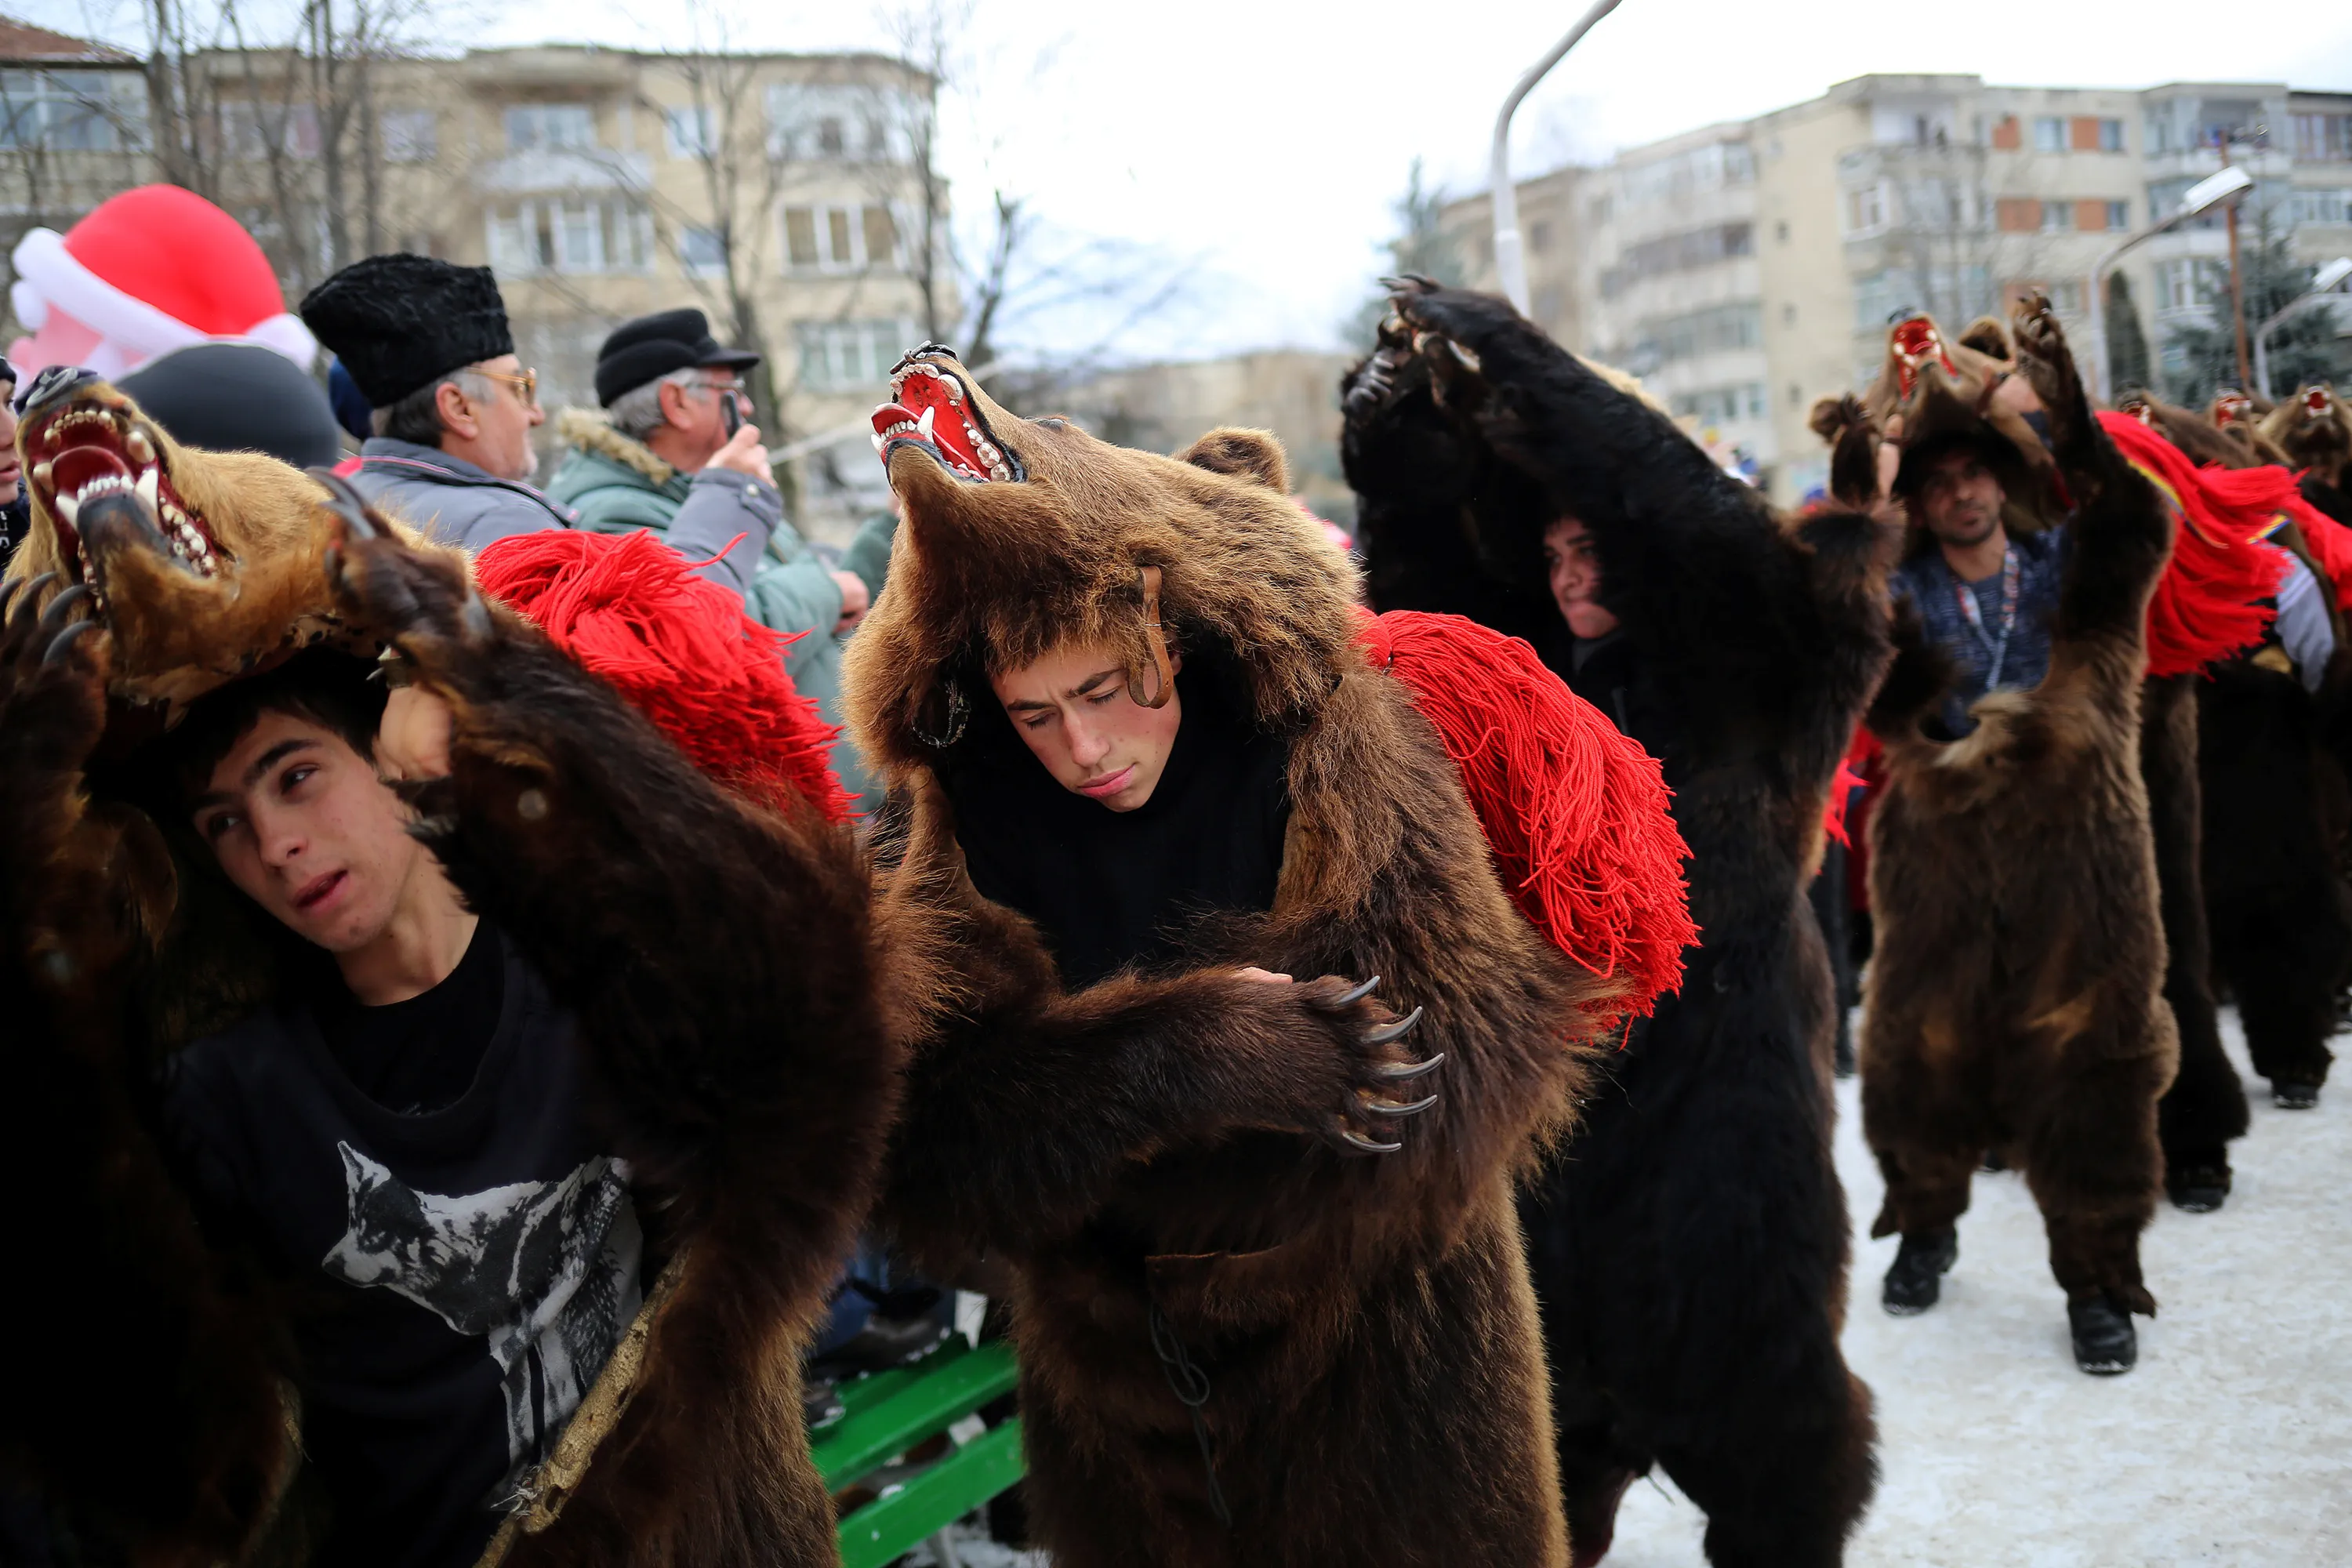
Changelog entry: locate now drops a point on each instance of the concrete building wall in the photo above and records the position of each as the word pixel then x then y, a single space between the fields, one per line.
pixel 1931 191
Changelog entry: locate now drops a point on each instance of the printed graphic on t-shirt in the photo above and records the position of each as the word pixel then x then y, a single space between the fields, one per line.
pixel 545 1272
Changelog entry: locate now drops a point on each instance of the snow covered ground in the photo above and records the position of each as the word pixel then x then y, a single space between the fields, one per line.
pixel 2231 1444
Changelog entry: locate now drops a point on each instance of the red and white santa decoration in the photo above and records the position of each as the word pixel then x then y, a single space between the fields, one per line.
pixel 152 270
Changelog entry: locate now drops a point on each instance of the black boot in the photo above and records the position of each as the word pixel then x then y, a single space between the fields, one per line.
pixel 2197 1184
pixel 2288 1095
pixel 1917 1280
pixel 2104 1341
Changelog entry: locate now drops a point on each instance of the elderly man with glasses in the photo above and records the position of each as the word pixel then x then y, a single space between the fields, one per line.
pixel 673 450
pixel 427 342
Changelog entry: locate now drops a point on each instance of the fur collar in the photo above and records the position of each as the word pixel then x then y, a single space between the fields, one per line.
pixel 590 430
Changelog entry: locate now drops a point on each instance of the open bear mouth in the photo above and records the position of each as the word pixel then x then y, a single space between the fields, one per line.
pixel 929 409
pixel 98 471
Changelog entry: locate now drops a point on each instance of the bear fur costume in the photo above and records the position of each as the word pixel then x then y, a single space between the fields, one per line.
pixel 2015 995
pixel 2314 428
pixel 2205 1110
pixel 714 951
pixel 1690 1245
pixel 1160 1158
pixel 2271 793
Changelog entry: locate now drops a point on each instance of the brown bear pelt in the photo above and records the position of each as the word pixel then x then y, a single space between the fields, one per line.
pixel 2313 429
pixel 2014 999
pixel 1690 1244
pixel 1149 1145
pixel 714 953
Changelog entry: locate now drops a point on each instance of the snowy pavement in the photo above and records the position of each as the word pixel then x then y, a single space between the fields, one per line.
pixel 2231 1444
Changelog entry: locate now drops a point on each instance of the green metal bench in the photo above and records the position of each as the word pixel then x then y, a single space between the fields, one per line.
pixel 885 1414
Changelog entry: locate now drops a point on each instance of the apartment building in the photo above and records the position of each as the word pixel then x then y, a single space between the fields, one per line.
pixel 792 196
pixel 1747 269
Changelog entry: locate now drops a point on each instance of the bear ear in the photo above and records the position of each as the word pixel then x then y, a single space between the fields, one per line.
pixel 1244 454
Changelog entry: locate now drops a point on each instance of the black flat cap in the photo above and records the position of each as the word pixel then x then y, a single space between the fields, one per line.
pixel 655 345
pixel 399 321
pixel 238 398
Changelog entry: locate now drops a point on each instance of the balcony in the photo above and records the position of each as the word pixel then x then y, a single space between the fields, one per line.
pixel 564 169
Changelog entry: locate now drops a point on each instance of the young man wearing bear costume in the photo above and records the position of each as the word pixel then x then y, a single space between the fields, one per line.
pixel 393 1288
pixel 1176 839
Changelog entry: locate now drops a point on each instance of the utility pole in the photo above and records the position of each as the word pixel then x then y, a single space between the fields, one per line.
pixel 1510 261
pixel 2237 281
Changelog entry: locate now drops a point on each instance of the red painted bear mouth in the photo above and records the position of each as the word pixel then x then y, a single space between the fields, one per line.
pixel 931 409
pixel 98 470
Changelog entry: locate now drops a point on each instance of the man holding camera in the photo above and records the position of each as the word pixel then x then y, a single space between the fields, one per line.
pixel 670 451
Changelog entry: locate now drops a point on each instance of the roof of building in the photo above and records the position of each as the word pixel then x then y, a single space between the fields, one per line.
pixel 21 43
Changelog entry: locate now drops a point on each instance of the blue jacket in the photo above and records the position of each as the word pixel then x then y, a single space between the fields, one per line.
pixel 449 498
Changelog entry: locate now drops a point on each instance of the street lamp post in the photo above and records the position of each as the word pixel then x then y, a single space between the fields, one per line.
pixel 2230 185
pixel 1510 260
pixel 2324 282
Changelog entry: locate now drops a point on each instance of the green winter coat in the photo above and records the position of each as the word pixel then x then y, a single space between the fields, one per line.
pixel 616 485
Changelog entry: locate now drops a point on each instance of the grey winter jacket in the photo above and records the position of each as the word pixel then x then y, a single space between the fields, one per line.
pixel 449 498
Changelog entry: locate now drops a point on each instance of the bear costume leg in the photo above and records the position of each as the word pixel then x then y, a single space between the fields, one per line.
pixel 2280 932
pixel 2092 1162
pixel 2206 1106
pixel 1720 1350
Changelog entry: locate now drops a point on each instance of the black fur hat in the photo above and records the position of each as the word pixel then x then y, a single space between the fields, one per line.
pixel 398 321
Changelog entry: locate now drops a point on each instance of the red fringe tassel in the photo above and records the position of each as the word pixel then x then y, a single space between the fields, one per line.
pixel 2207 604
pixel 679 647
pixel 1574 812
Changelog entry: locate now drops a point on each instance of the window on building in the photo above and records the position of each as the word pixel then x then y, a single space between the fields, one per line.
pixel 850 356
pixel 1866 209
pixel 2049 133
pixel 691 131
pixel 2111 135
pixel 409 136
pixel 840 240
pixel 702 252
pixel 569 235
pixel 251 131
pixel 1540 237
pixel 2189 283
pixel 2057 217
pixel 2323 138
pixel 846 121
pixel 2119 215
pixel 1711 330
pixel 2323 203
pixel 1780 231
pixel 73 111
pixel 881 236
pixel 2066 296
pixel 800 236
pixel 550 127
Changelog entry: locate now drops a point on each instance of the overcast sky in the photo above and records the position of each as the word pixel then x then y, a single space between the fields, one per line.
pixel 1261 142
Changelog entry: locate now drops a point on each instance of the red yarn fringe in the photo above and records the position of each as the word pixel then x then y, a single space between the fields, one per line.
pixel 1574 812
pixel 2330 541
pixel 1842 784
pixel 679 647
pixel 2208 602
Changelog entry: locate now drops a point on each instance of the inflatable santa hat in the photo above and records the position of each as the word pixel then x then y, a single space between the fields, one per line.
pixel 149 270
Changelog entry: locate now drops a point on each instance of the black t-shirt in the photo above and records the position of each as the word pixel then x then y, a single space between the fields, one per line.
pixel 1110 889
pixel 475 1263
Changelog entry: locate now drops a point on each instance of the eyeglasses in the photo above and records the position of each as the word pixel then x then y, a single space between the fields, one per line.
pixel 734 389
pixel 526 385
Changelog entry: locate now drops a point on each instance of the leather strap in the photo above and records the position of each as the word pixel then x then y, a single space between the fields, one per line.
pixel 1152 630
